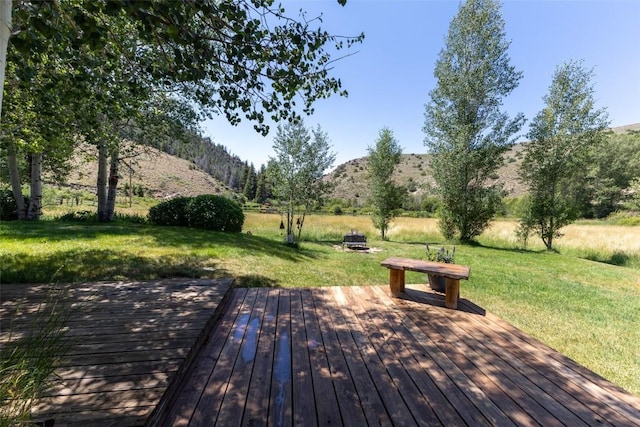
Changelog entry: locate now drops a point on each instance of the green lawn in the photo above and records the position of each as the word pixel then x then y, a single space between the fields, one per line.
pixel 588 310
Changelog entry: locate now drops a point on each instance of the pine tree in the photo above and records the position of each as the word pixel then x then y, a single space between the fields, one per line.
pixel 250 183
pixel 262 191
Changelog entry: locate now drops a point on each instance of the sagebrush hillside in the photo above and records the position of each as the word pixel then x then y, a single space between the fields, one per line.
pixel 162 175
pixel 350 178
pixel 159 174
pixel 413 172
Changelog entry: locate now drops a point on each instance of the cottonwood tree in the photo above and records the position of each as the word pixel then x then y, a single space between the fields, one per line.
pixel 296 172
pixel 386 196
pixel 466 131
pixel 562 136
pixel 238 58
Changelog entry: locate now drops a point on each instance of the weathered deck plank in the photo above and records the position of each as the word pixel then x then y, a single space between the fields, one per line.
pixel 326 407
pixel 304 410
pixel 370 400
pixel 325 356
pixel 257 403
pixel 355 356
pixel 130 344
pixel 180 411
pixel 236 394
pixel 208 407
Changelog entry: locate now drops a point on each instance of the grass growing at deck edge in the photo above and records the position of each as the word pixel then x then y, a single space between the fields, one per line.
pixel 587 310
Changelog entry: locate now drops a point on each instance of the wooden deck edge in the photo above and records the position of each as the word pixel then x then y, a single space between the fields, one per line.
pixel 159 413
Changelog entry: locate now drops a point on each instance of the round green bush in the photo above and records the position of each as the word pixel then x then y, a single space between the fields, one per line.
pixel 170 212
pixel 8 207
pixel 215 213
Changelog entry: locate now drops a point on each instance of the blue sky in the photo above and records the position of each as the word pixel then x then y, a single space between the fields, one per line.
pixel 390 76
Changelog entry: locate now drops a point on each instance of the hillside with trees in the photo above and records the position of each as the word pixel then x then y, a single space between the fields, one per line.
pixel 212 158
pixel 612 168
pixel 159 174
pixel 150 172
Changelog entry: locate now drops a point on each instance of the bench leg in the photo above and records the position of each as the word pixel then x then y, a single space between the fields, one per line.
pixel 396 281
pixel 451 294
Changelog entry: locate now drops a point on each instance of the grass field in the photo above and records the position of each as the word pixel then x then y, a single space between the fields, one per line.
pixel 579 305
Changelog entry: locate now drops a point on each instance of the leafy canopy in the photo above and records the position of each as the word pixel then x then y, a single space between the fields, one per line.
pixel 296 171
pixel 386 196
pixel 562 136
pixel 466 132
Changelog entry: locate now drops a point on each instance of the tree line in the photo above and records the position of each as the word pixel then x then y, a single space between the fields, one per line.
pixel 149 72
pixel 572 166
pixel 81 71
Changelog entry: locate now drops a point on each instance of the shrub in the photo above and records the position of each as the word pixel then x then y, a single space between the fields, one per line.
pixel 515 206
pixel 215 213
pixel 430 204
pixel 624 218
pixel 8 207
pixel 170 212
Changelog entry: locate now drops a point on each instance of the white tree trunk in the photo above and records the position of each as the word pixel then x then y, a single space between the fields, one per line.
pixel 16 185
pixel 5 33
pixel 35 202
pixel 12 159
pixel 113 186
pixel 102 181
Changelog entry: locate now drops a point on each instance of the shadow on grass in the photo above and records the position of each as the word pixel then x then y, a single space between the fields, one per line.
pixel 474 244
pixel 91 265
pixel 105 265
pixel 56 231
pixel 619 259
pixel 256 281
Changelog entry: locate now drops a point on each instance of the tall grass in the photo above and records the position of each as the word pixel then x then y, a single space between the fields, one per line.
pixel 595 241
pixel 27 363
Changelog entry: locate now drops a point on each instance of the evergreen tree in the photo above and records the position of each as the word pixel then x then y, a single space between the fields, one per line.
pixel 466 132
pixel 244 177
pixel 250 183
pixel 262 190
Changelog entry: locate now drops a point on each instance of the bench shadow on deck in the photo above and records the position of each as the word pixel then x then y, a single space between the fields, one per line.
pixel 355 356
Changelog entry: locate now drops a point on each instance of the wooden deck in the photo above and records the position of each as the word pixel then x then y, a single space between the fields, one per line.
pixel 354 356
pixel 326 356
pixel 133 344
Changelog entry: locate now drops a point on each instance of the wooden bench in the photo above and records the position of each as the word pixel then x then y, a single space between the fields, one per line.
pixel 452 272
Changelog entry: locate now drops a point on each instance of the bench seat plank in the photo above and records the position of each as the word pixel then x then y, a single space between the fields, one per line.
pixel 452 272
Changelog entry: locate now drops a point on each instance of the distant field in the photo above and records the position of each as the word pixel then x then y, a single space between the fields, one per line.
pixel 594 241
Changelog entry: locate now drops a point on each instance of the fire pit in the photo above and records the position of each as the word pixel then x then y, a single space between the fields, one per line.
pixel 354 240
